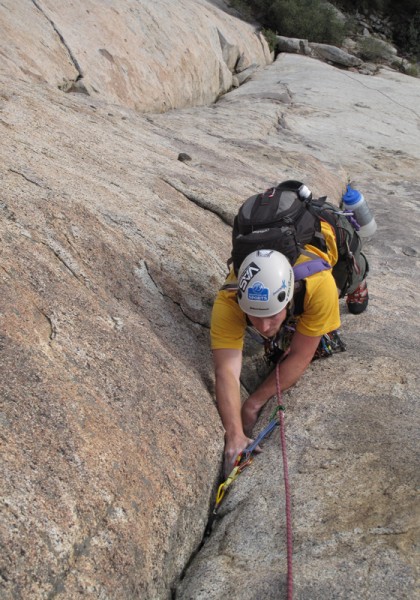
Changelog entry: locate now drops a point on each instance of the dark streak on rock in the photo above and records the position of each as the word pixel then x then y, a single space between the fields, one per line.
pixel 198 201
pixel 34 181
pixel 63 41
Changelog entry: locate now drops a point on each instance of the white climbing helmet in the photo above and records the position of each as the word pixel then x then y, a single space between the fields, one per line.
pixel 265 283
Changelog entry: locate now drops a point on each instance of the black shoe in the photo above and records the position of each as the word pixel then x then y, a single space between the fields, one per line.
pixel 358 300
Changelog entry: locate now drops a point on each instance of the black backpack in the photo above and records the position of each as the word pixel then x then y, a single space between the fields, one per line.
pixel 285 218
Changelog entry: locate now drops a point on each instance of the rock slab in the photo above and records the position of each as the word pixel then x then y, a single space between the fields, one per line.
pixel 112 251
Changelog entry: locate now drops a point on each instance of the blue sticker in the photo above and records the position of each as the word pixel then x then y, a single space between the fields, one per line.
pixel 258 292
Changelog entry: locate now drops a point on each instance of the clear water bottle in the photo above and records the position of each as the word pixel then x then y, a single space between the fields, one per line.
pixel 354 201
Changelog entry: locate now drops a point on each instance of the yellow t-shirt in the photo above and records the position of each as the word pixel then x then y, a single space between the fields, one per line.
pixel 320 315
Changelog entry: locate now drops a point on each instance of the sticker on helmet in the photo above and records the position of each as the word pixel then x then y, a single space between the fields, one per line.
pixel 282 287
pixel 258 292
pixel 251 270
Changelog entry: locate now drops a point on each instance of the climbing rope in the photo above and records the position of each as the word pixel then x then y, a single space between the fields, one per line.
pixel 244 459
pixel 289 535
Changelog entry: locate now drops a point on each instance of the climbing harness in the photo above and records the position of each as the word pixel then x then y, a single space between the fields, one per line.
pixel 276 347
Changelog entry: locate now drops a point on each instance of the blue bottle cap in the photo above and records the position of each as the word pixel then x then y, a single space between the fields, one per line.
pixel 351 196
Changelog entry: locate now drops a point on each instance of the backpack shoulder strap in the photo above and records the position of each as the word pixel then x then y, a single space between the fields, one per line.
pixel 310 267
pixel 233 287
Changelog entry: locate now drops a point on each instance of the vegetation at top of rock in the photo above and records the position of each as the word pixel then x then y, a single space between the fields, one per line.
pixel 271 38
pixel 404 17
pixel 313 20
pixel 374 50
pixel 317 21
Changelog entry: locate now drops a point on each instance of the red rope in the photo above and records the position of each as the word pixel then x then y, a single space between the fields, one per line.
pixel 289 535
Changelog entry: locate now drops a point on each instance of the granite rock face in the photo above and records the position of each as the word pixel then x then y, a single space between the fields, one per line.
pixel 150 56
pixel 334 55
pixel 352 421
pixel 111 252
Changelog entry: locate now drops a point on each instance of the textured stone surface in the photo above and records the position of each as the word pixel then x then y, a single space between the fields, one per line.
pixel 111 252
pixel 104 414
pixel 352 422
pixel 30 46
pixel 335 55
pixel 294 45
pixel 151 56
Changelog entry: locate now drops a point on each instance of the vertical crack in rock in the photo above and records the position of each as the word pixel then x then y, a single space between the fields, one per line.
pixel 213 521
pixel 230 52
pixel 166 296
pixel 384 95
pixel 198 201
pixel 63 41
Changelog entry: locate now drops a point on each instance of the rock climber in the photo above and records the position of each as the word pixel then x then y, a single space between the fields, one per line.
pixel 261 298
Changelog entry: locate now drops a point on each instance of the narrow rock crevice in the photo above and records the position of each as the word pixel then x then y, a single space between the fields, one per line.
pixel 175 302
pixel 29 179
pixel 214 520
pixel 206 535
pixel 261 39
pixel 200 202
pixel 63 41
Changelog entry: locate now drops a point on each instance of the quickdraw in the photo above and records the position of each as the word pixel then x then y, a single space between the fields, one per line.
pixel 243 460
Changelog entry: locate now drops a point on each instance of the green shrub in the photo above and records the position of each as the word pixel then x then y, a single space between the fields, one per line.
pixel 271 38
pixel 374 50
pixel 404 15
pixel 412 70
pixel 309 19
pixel 316 21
